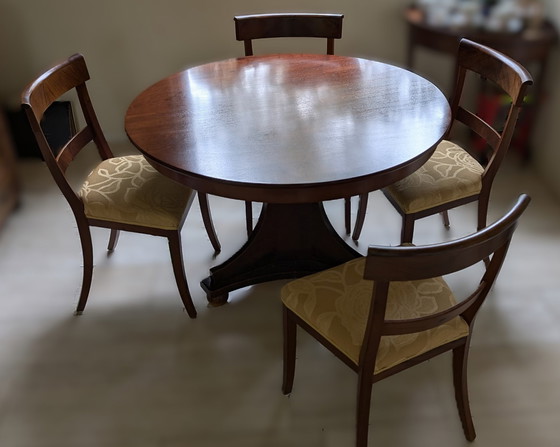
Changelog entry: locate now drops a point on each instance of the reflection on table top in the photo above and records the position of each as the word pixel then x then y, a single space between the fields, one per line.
pixel 259 127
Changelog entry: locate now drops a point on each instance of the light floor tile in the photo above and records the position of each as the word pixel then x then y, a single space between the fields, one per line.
pixel 135 371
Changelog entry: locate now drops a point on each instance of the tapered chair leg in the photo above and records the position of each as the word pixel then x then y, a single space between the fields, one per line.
pixel 179 271
pixel 482 215
pixel 460 356
pixel 348 214
pixel 249 217
pixel 290 332
pixel 482 212
pixel 87 253
pixel 360 217
pixel 445 216
pixel 113 240
pixel 363 406
pixel 208 223
pixel 407 230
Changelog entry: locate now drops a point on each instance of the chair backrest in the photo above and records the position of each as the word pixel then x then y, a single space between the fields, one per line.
pixel 503 73
pixel 64 77
pixel 409 263
pixel 263 26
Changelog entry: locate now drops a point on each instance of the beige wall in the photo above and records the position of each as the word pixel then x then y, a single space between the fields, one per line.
pixel 130 44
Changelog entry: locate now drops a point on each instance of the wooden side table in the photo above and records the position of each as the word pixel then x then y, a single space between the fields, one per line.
pixel 531 49
pixel 9 190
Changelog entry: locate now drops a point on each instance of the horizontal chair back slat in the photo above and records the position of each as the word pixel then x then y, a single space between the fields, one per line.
pixel 409 263
pixel 496 67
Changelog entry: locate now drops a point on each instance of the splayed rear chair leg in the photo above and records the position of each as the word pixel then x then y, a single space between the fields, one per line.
pixel 87 253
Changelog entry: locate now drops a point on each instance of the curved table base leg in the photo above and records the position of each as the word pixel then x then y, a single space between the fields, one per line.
pixel 289 241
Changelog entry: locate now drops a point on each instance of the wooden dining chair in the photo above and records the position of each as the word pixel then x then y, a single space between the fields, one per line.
pixel 265 26
pixel 121 193
pixel 391 310
pixel 456 174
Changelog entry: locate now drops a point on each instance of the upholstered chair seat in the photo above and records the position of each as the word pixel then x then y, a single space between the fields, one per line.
pixel 129 190
pixel 450 174
pixel 336 303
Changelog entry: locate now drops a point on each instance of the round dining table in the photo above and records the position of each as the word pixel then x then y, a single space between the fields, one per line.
pixel 289 131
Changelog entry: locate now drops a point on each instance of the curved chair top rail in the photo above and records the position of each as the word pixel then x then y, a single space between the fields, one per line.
pixel 419 262
pixel 263 26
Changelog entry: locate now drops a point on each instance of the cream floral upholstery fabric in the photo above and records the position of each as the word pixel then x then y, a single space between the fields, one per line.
pixel 129 190
pixel 450 174
pixel 336 302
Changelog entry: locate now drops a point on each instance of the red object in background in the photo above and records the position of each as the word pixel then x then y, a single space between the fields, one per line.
pixel 488 108
pixel 491 108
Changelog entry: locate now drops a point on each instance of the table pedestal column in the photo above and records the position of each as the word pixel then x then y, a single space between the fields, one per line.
pixel 289 241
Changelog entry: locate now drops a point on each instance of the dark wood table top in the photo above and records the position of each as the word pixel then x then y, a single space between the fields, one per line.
pixel 288 128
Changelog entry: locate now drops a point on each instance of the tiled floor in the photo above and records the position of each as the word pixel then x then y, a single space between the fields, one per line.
pixel 135 371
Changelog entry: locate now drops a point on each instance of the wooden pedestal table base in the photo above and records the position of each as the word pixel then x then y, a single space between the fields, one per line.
pixel 289 241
